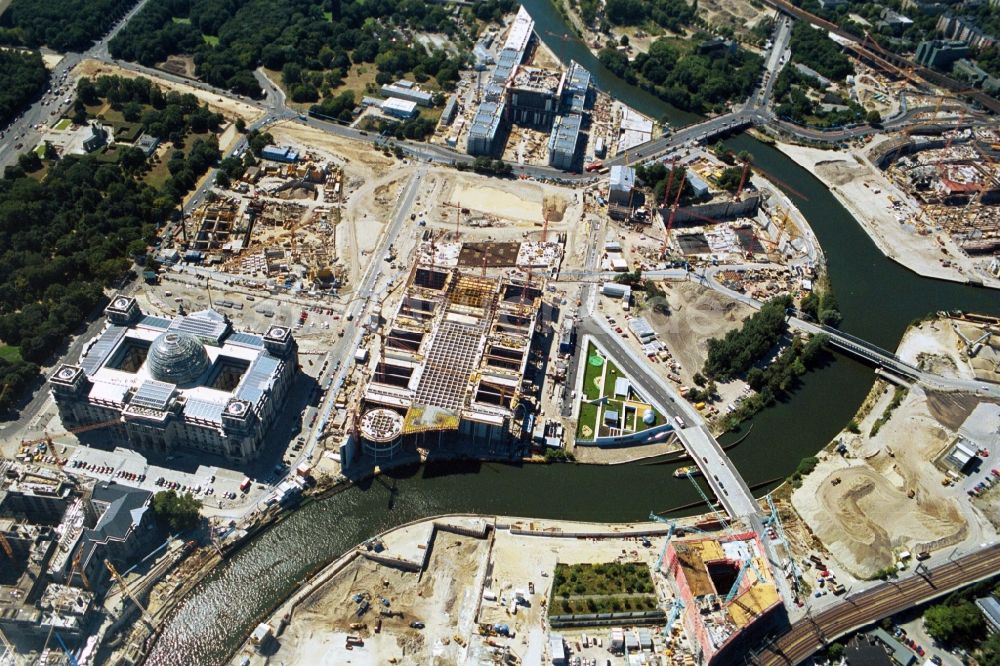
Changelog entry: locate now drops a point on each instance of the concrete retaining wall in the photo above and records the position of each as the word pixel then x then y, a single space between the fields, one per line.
pixel 635 439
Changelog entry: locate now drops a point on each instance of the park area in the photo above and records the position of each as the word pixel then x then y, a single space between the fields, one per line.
pixel 602 588
pixel 609 404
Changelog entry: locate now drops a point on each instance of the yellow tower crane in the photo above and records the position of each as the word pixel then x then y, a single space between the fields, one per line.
pixel 127 592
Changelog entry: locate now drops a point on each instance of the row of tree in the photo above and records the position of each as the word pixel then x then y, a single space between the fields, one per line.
pixel 62 25
pixel 687 79
pixel 778 378
pixel 22 79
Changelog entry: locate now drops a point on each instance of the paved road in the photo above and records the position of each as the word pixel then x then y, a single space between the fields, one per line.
pixel 340 355
pixel 22 131
pixel 864 608
pixel 719 472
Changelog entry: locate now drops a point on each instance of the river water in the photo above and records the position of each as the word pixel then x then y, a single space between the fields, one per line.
pixel 878 298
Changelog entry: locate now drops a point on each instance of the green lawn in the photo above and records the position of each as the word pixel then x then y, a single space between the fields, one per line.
pixel 592 376
pixel 63 124
pixel 181 19
pixel 610 376
pixel 10 353
pixel 588 417
pixel 328 16
pixel 211 40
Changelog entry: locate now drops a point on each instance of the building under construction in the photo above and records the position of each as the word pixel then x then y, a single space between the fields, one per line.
pixel 955 184
pixel 451 363
pixel 728 592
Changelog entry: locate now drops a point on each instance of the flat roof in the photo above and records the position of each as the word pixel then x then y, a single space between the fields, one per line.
pixel 406 105
pixel 487 120
pixel 520 30
pixel 565 133
pixel 622 178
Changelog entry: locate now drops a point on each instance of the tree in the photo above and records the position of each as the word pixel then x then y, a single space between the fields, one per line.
pixel 960 624
pixel 241 125
pixel 874 118
pixel 179 512
pixel 29 161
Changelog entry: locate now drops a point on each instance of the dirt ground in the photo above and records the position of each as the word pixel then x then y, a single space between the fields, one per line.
pixel 696 314
pixel 846 501
pixel 361 157
pixel 887 214
pixel 943 346
pixel 516 202
pixel 740 15
pixel 224 105
pixel 444 597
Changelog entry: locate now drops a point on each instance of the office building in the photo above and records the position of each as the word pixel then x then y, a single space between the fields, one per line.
pixel 940 53
pixel 563 141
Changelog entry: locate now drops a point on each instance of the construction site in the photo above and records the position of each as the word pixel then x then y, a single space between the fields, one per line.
pixel 754 223
pixel 494 590
pixel 922 456
pixel 276 225
pixel 927 198
pixel 956 185
pixel 63 545
pixel 452 360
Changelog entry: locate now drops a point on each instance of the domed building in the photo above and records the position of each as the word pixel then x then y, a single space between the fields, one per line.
pixel 191 382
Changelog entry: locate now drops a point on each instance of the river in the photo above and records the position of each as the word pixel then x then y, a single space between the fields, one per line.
pixel 878 298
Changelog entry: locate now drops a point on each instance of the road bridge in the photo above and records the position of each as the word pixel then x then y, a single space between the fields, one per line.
pixel 721 475
pixel 851 344
pixel 864 608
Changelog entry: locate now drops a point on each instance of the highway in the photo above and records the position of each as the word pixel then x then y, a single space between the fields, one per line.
pixel 864 608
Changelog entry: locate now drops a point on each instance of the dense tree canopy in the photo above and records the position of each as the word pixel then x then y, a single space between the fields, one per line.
pixel 64 239
pixel 312 48
pixel 177 512
pixel 22 78
pixel 61 240
pixel 63 25
pixel 960 623
pixel 670 14
pixel 815 49
pixel 687 79
pixel 742 347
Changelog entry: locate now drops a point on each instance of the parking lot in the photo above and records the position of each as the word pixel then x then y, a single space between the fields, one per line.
pixel 214 486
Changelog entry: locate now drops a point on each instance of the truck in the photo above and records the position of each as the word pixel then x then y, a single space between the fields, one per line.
pixel 680 422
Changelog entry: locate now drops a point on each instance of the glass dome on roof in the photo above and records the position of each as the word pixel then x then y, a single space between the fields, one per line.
pixel 177 358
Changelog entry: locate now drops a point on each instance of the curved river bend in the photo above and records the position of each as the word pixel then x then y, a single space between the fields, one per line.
pixel 877 297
